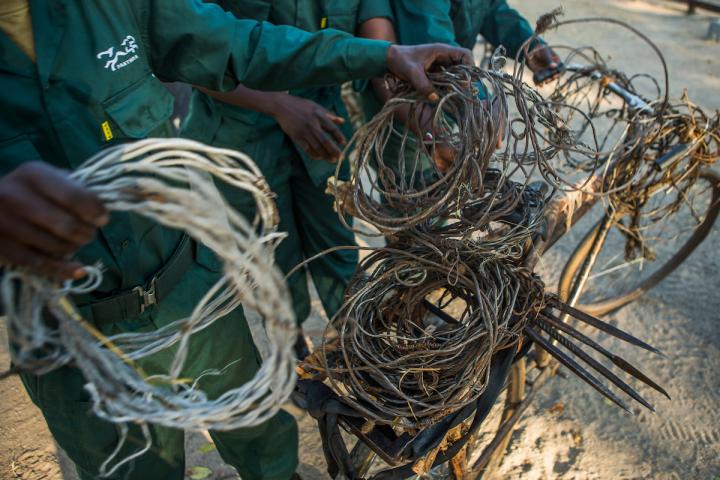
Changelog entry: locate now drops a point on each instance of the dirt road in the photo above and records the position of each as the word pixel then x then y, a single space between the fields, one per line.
pixel 570 432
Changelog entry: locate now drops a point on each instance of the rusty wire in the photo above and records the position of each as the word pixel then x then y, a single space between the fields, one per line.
pixel 424 315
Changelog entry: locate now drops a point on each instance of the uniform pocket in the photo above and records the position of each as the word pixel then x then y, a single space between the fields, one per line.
pixel 342 15
pixel 140 110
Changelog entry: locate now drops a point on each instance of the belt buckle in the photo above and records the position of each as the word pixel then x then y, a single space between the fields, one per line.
pixel 147 297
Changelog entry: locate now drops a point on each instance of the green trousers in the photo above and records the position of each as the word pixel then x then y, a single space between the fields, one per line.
pixel 266 452
pixel 307 214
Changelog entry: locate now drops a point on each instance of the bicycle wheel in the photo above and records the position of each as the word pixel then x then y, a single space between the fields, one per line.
pixel 615 280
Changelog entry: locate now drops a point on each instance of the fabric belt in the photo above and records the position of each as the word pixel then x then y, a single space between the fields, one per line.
pixel 132 303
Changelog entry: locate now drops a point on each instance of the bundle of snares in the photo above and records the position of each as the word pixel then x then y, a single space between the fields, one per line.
pixel 397 187
pixel 170 181
pixel 424 315
pixel 400 357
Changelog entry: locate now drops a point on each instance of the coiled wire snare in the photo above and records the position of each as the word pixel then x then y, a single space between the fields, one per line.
pixel 170 181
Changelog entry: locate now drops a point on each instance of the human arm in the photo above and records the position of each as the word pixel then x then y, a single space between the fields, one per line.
pixel 46 218
pixel 200 44
pixel 505 26
pixel 308 124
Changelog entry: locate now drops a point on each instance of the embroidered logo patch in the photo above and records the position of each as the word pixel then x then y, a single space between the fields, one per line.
pixel 120 57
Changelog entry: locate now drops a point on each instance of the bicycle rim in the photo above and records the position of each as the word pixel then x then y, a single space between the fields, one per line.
pixel 618 279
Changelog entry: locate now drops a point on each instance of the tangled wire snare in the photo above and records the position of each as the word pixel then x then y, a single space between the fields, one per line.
pixel 400 356
pixel 398 185
pixel 171 182
pixel 637 138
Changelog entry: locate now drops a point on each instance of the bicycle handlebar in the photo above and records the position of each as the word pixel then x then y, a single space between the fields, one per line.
pixel 633 101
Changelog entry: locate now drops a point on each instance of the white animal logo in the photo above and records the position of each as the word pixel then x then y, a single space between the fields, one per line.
pixel 128 48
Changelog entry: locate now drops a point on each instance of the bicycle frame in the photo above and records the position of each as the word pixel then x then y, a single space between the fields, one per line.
pixel 577 205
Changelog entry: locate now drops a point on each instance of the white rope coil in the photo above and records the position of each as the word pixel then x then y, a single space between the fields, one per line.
pixel 171 182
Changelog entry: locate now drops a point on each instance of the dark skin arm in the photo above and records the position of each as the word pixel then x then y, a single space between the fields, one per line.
pixel 46 218
pixel 312 127
pixel 309 125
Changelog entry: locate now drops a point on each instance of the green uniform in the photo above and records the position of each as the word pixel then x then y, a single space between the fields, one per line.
pixel 95 82
pixel 459 22
pixel 299 182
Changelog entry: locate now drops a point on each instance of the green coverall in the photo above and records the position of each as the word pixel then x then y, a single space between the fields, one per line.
pixel 453 22
pixel 94 84
pixel 306 211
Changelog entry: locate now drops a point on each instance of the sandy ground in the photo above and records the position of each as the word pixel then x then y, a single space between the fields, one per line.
pixel 570 432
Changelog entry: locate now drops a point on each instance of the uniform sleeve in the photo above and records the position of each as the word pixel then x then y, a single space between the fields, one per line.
pixel 370 9
pixel 505 26
pixel 201 44
pixel 424 21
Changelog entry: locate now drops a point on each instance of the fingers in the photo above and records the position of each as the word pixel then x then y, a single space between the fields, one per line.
pixel 335 119
pixel 52 219
pixel 443 156
pixel 329 123
pixel 36 237
pixel 412 64
pixel 16 254
pixel 65 192
pixel 311 146
pixel 545 64
pixel 329 150
pixel 543 77
pixel 324 134
pixel 446 55
pixel 47 217
pixel 421 83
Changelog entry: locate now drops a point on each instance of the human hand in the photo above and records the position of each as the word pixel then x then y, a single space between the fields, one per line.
pixel 443 156
pixel 422 122
pixel 311 127
pixel 46 217
pixel 411 63
pixel 544 63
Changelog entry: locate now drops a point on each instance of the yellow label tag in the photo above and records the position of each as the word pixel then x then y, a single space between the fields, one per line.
pixel 324 23
pixel 107 131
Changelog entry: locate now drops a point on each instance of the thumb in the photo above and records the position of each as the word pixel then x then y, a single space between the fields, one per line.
pixel 422 84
